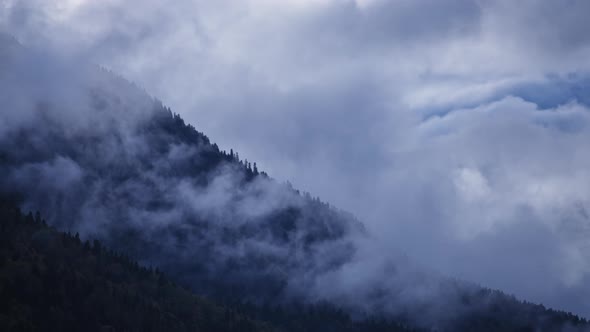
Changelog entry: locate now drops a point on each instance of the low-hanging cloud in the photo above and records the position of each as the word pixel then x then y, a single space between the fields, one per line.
pixel 455 131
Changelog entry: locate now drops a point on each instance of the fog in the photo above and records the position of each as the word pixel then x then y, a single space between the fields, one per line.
pixel 456 132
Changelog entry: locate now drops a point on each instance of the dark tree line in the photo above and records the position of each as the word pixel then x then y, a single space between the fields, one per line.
pixel 52 281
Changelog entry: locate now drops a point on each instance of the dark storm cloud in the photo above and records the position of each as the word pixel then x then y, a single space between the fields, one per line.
pixel 455 129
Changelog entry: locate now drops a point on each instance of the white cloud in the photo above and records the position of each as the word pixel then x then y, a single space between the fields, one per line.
pixel 471 184
pixel 401 111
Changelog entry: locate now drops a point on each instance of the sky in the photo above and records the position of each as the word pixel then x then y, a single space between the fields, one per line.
pixel 456 130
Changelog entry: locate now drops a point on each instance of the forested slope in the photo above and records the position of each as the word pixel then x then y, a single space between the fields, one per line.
pixel 52 281
pixel 99 157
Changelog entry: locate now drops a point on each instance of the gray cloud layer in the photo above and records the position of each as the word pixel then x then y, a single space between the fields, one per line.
pixel 455 129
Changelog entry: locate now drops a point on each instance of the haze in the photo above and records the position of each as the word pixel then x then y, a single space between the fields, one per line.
pixel 456 130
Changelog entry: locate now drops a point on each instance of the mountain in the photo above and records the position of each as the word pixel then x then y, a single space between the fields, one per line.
pixel 51 281
pixel 98 156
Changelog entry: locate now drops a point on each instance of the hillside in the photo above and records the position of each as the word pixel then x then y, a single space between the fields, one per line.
pixel 52 281
pixel 101 158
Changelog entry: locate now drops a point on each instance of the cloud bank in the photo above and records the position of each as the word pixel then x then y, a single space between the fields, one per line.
pixel 456 130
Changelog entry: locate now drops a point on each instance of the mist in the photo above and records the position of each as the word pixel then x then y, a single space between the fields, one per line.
pixel 101 158
pixel 455 132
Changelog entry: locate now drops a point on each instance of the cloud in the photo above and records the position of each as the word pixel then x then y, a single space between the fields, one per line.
pixel 502 182
pixel 455 129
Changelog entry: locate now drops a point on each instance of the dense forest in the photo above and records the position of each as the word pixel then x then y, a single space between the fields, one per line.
pixel 100 158
pixel 53 281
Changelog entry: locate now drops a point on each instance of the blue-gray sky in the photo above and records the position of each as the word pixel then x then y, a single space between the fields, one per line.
pixel 456 130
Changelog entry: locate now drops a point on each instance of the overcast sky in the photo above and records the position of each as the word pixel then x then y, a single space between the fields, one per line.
pixel 456 130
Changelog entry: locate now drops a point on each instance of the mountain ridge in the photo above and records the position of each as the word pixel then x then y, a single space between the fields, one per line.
pixel 129 172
